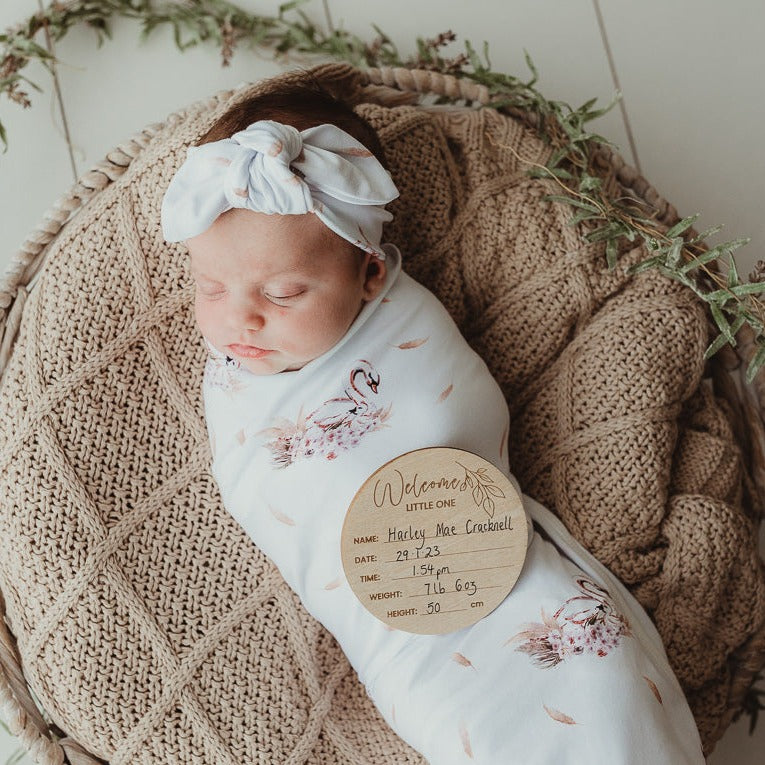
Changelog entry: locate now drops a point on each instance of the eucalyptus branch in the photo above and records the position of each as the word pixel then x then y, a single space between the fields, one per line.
pixel 678 253
pixel 670 248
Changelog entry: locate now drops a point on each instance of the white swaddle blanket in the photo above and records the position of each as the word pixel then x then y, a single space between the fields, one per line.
pixel 568 669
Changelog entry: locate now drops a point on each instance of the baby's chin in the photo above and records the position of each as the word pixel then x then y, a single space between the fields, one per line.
pixel 270 365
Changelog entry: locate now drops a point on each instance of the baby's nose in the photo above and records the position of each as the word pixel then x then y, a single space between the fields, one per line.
pixel 247 315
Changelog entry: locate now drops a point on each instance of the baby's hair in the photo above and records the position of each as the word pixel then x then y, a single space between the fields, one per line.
pixel 302 104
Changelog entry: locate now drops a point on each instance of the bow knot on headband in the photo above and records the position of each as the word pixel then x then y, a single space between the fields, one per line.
pixel 275 168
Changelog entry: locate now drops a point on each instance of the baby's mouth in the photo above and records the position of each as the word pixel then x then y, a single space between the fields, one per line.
pixel 248 351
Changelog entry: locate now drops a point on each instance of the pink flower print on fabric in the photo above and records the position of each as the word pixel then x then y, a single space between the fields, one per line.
pixel 221 371
pixel 337 425
pixel 586 623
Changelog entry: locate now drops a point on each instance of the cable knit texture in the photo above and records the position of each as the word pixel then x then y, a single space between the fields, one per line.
pixel 150 627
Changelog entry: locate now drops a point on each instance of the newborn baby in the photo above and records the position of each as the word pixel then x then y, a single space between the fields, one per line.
pixel 326 360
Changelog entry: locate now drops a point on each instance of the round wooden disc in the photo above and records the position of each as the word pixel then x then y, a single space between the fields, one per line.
pixel 434 540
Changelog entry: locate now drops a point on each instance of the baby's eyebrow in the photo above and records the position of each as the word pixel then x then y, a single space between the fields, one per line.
pixel 195 273
pixel 295 272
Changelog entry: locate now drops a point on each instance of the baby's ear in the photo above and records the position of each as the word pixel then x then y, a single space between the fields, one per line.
pixel 374 278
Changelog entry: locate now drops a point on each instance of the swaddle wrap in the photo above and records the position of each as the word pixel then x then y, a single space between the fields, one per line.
pixel 568 669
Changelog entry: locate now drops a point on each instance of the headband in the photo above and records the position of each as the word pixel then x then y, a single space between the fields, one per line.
pixel 274 168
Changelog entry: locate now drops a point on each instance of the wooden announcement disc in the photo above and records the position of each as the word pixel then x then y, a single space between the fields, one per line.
pixel 434 540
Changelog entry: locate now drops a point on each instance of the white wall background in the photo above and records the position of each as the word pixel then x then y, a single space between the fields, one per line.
pixel 690 72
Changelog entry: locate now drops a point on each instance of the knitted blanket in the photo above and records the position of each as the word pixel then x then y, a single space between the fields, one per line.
pixel 149 625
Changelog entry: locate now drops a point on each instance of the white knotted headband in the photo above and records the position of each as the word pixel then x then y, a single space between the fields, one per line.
pixel 274 168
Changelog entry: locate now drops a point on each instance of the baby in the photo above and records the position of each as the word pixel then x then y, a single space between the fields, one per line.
pixel 326 360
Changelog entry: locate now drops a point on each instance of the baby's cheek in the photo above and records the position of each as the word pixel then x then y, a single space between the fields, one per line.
pixel 306 333
pixel 206 317
pixel 301 328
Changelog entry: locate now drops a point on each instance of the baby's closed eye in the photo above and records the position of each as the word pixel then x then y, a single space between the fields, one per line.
pixel 209 291
pixel 283 295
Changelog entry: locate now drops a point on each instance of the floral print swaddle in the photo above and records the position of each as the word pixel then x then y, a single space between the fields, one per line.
pixel 567 669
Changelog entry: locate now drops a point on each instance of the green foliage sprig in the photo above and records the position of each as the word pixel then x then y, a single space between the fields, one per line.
pixel 679 253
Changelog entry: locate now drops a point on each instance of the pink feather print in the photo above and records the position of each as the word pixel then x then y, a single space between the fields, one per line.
pixel 463 660
pixel 280 516
pixel 465 740
pixel 412 343
pixel 445 394
pixel 559 716
pixel 353 151
pixel 654 689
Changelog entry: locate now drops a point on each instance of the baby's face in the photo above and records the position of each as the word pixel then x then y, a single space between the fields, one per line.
pixel 276 291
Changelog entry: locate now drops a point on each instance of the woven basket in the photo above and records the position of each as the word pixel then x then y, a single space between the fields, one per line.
pixel 744 403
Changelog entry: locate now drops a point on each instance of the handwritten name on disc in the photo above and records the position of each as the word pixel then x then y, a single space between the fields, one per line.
pixel 434 540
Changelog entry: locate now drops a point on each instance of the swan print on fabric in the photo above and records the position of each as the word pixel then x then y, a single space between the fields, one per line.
pixel 335 426
pixel 222 372
pixel 586 623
